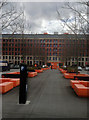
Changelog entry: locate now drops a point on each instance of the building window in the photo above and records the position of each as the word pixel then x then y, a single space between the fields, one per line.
pixel 30 58
pixel 54 58
pixel 56 41
pixel 53 49
pixel 54 54
pixel 44 41
pixel 27 58
pixel 59 49
pixel 54 45
pixel 82 59
pixel 50 45
pixel 41 41
pixel 12 44
pixel 47 40
pixel 43 45
pixel 47 45
pixel 59 45
pixel 9 57
pixel 49 58
pixel 79 59
pixel 50 41
pixel 15 49
pixel 50 54
pixel 86 59
pixel 3 57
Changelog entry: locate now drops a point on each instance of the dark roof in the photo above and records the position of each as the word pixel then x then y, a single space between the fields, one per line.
pixel 43 36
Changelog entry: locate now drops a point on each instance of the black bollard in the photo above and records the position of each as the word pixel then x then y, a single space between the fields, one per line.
pixel 23 84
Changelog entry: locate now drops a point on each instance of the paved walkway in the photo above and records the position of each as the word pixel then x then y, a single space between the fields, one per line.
pixel 51 97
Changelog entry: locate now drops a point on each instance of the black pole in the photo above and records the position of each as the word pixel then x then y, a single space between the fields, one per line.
pixel 23 84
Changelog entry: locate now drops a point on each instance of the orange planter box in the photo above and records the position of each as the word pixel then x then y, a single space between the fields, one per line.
pixel 2 80
pixel 72 82
pixel 71 75
pixel 32 74
pixel 16 82
pixel 43 68
pixel 62 71
pixel 5 87
pixel 85 83
pixel 13 73
pixel 81 90
pixel 39 71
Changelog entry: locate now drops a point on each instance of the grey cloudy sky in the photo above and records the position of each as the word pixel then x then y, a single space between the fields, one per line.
pixel 42 16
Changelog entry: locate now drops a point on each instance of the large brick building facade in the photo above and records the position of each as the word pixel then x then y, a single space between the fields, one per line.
pixel 44 48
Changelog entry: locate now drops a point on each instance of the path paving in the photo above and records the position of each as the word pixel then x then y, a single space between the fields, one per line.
pixel 51 97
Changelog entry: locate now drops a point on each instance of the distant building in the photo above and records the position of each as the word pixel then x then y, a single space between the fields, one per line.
pixel 44 48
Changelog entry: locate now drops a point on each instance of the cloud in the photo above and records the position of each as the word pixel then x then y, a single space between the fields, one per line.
pixel 42 16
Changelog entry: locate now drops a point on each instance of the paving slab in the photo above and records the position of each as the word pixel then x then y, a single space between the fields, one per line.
pixel 50 96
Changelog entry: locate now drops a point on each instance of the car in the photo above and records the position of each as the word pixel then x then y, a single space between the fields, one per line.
pixel 64 66
pixel 44 66
pixel 87 68
pixel 16 67
pixel 79 68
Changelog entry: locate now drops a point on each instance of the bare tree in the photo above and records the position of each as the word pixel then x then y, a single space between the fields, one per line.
pixel 77 27
pixel 8 17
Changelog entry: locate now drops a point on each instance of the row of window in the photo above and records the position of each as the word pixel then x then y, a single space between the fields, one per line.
pixel 53 58
pixel 28 58
pixel 24 45
pixel 80 59
pixel 25 40
pixel 43 41
pixel 12 57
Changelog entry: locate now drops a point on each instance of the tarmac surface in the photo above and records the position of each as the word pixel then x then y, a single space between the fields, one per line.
pixel 50 96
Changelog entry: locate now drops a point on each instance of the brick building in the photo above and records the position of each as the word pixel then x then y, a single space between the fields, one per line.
pixel 44 48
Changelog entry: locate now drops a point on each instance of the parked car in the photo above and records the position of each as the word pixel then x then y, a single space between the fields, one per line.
pixel 79 68
pixel 64 66
pixel 87 68
pixel 16 67
pixel 44 66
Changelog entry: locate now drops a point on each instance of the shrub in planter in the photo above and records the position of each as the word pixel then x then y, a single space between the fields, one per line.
pixel 31 69
pixel 38 67
pixel 72 69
